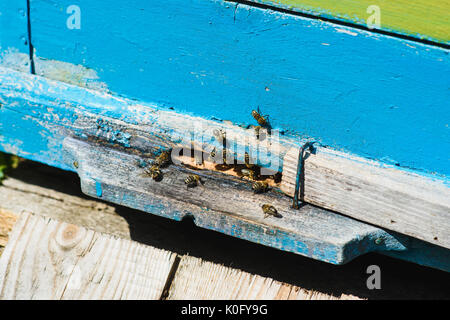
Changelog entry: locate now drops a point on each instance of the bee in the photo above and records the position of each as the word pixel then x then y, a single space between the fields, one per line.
pixel 212 154
pixel 192 181
pixel 224 156
pixel 260 119
pixel 260 133
pixel 247 161
pixel 163 160
pixel 270 210
pixel 251 174
pixel 260 186
pixel 154 172
pixel 257 131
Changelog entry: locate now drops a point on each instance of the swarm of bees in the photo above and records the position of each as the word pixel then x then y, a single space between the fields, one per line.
pixel 250 171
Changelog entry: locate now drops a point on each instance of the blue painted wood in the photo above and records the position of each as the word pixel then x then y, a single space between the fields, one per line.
pixel 369 94
pixel 90 133
pixel 14 42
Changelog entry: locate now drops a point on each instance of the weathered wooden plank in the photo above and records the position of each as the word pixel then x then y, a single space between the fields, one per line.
pixel 14 41
pixel 201 280
pixel 61 110
pixel 227 277
pixel 351 89
pixel 7 220
pixel 79 285
pixel 396 200
pixel 223 204
pixel 46 259
pixel 17 196
pixel 423 19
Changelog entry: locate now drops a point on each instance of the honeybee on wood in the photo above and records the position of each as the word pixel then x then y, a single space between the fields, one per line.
pixel 212 154
pixel 192 181
pixel 260 186
pixel 262 121
pixel 224 156
pixel 247 161
pixel 154 172
pixel 270 210
pixel 163 160
pixel 249 173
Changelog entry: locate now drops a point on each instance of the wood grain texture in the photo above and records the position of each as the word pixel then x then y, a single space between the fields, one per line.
pixel 7 220
pixel 351 89
pixel 421 18
pixel 17 196
pixel 400 201
pixel 47 259
pixel 201 280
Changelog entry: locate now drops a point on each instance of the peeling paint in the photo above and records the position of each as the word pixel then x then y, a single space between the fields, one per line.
pixel 13 59
pixel 69 73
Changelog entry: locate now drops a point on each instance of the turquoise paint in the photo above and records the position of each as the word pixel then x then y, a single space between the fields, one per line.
pixel 13 25
pixel 23 135
pixel 61 107
pixel 98 189
pixel 372 95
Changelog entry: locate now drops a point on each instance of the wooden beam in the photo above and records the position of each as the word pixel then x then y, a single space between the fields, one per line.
pixel 56 202
pixel 201 280
pixel 222 203
pixel 398 200
pixel 46 259
pixel 422 19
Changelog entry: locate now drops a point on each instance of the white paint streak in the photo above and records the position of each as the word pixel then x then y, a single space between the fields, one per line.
pixel 347 32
